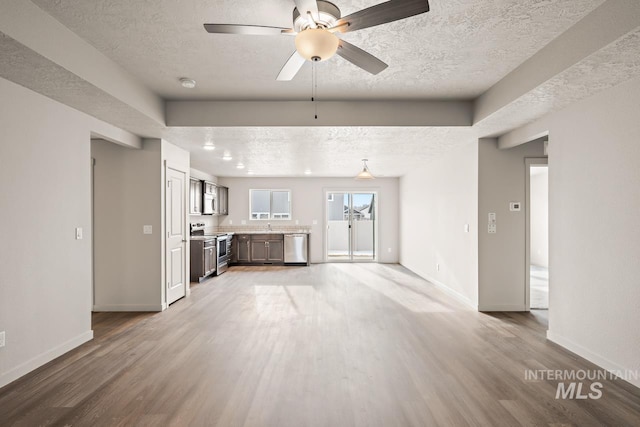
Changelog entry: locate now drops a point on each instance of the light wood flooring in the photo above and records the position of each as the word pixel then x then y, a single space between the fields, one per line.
pixel 326 345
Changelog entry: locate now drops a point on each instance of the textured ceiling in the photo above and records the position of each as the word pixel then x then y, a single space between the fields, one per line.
pixel 325 151
pixel 457 50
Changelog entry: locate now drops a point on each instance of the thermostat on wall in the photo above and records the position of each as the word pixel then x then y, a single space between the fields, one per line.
pixel 515 206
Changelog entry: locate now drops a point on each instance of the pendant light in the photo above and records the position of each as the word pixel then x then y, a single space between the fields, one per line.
pixel 365 174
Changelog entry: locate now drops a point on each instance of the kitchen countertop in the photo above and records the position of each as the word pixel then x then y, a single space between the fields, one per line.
pixel 272 232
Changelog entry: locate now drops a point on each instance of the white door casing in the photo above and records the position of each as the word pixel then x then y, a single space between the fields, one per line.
pixel 176 228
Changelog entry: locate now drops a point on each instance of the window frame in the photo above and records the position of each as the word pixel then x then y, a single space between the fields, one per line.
pixel 270 214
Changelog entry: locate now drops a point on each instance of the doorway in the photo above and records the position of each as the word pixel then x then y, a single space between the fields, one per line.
pixel 537 235
pixel 351 219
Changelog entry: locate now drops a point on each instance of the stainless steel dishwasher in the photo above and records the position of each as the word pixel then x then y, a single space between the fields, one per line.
pixel 296 249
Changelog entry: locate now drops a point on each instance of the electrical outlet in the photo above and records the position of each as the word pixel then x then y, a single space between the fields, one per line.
pixel 2 339
pixel 230 222
pixel 79 233
pixel 244 222
pixel 297 222
pixel 437 267
pixel 315 222
pixel 147 229
pixel 466 228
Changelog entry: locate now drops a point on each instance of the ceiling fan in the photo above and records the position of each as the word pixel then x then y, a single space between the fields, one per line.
pixel 315 24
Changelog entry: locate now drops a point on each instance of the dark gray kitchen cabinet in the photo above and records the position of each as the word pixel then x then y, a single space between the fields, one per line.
pixel 242 252
pixel 195 197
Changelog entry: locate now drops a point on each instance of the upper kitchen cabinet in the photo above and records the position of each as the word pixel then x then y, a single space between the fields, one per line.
pixel 223 200
pixel 195 197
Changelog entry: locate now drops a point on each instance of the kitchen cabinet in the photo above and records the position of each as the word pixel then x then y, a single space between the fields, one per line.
pixel 195 197
pixel 203 261
pixel 243 248
pixel 267 248
pixel 223 200
pixel 259 248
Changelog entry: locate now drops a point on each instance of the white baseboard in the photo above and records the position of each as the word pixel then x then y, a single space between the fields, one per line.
pixel 446 289
pixel 129 307
pixel 43 358
pixel 501 307
pixel 585 353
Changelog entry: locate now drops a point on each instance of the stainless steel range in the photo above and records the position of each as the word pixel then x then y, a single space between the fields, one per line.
pixel 223 245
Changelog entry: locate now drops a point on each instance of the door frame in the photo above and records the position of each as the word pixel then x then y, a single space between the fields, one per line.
pixel 185 247
pixel 529 161
pixel 376 192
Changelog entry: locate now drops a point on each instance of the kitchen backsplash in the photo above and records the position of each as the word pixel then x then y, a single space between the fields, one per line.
pixel 241 228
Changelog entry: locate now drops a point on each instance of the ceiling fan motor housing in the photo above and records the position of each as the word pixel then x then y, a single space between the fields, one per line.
pixel 328 15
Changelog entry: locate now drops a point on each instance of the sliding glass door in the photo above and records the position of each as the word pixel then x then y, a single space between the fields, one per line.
pixel 351 226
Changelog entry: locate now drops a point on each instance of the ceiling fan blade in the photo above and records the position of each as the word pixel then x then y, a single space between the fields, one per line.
pixel 305 6
pixel 291 68
pixel 382 13
pixel 258 30
pixel 359 57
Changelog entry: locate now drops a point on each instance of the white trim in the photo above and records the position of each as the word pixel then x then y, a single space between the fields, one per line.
pixel 529 161
pixel 451 292
pixel 502 307
pixel 130 307
pixel 585 353
pixel 43 358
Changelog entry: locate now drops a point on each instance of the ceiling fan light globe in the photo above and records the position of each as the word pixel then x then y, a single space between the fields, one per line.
pixel 316 43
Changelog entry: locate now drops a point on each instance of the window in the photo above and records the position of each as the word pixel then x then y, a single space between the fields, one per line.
pixel 270 204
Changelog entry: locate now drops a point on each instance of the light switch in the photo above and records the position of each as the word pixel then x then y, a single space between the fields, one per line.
pixel 466 228
pixel 147 229
pixel 79 233
pixel 315 222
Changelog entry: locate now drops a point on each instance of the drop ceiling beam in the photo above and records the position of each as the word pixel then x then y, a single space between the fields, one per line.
pixel 27 24
pixel 302 113
pixel 566 56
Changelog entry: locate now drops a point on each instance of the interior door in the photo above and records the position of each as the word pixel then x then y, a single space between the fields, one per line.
pixel 175 221
pixel 351 226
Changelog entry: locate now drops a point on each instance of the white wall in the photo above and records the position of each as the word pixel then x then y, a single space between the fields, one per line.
pixel 45 190
pixel 435 204
pixel 539 205
pixel 308 205
pixel 501 256
pixel 127 270
pixel 593 223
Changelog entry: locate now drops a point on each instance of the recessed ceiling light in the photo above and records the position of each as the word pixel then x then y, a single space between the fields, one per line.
pixel 307 172
pixel 209 147
pixel 187 83
pixel 227 157
pixel 240 166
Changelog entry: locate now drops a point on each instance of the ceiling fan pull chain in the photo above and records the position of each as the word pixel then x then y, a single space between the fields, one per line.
pixel 314 88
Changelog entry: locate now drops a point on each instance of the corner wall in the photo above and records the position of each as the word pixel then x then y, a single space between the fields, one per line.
pixel 127 186
pixel 501 256
pixel 45 193
pixel 594 177
pixel 435 204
